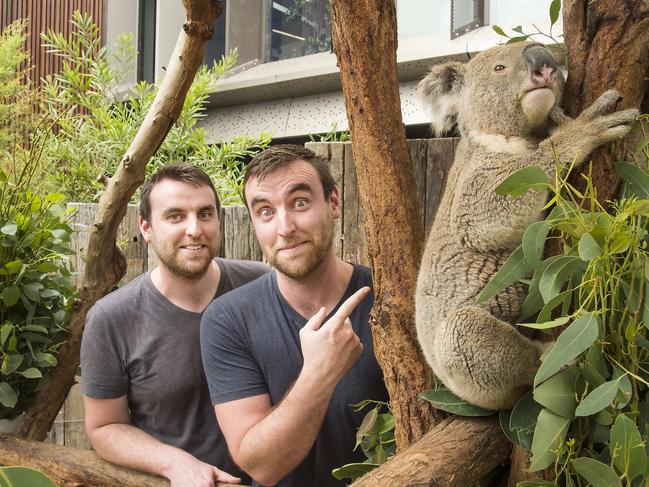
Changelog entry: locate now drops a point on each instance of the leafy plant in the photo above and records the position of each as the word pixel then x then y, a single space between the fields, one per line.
pixel 332 136
pixel 36 286
pixel 555 9
pixel 588 414
pixel 375 436
pixel 96 119
pixel 22 477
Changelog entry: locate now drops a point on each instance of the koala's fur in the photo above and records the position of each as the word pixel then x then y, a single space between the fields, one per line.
pixel 505 102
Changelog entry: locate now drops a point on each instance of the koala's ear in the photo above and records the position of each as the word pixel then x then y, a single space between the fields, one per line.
pixel 440 90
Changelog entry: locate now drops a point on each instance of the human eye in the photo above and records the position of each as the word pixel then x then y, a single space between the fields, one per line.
pixel 207 214
pixel 301 203
pixel 174 217
pixel 264 213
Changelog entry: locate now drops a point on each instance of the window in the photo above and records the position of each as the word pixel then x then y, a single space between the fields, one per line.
pixel 299 28
pixel 215 48
pixel 466 15
pixel 146 41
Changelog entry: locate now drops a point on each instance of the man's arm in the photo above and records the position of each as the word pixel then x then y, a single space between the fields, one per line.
pixel 268 443
pixel 116 440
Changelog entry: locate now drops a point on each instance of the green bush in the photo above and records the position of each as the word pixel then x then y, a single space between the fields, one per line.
pixel 95 119
pixel 36 284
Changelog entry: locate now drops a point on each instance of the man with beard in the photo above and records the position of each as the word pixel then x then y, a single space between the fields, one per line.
pixel 146 400
pixel 287 354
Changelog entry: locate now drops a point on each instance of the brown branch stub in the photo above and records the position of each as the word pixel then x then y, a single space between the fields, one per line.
pixel 105 265
pixel 199 29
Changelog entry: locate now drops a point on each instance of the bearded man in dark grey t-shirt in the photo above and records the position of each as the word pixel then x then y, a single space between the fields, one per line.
pixel 146 399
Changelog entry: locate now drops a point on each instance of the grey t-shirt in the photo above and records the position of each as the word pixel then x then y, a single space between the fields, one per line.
pixel 137 342
pixel 250 345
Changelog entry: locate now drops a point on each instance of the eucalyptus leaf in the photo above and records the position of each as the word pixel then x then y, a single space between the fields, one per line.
pixel 447 401
pixel 366 425
pixel 546 312
pixel 23 477
pixel 530 177
pixel 636 178
pixel 596 472
pixel 588 248
pixel 556 274
pixel 10 295
pixel 8 396
pixel 498 30
pixel 572 342
pixel 555 8
pixel 522 420
pixel 11 362
pixel 535 483
pixel 353 470
pixel 31 373
pixel 514 268
pixel 534 242
pixel 630 455
pixel 558 393
pixel 548 324
pixel 600 398
pixel 549 433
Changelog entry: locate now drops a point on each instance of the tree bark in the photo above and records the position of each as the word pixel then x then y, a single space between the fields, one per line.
pixel 365 42
pixel 71 467
pixel 607 45
pixel 456 452
pixel 105 264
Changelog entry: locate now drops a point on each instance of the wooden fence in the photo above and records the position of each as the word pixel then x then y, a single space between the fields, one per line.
pixel 431 159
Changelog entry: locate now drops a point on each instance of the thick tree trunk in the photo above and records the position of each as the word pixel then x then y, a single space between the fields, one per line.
pixel 70 467
pixel 456 452
pixel 105 264
pixel 607 43
pixel 365 41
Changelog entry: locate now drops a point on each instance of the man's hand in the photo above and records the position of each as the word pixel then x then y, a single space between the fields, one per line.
pixel 332 348
pixel 191 472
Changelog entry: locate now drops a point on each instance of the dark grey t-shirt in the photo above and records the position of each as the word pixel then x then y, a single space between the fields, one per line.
pixel 250 345
pixel 137 342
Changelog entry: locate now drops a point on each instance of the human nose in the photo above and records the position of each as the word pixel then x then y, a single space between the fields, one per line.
pixel 285 223
pixel 193 228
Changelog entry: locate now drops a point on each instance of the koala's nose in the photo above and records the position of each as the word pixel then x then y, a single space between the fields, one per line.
pixel 542 65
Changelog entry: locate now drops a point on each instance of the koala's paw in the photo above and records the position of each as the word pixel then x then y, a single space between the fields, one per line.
pixel 604 105
pixel 557 116
pixel 617 125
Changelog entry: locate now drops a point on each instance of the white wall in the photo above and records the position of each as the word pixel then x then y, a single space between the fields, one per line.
pixel 121 18
pixel 170 16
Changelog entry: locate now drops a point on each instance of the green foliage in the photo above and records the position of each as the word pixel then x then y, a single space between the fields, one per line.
pixel 332 136
pixel 375 436
pixel 590 408
pixel 23 477
pixel 520 36
pixel 95 122
pixel 37 290
pixel 442 398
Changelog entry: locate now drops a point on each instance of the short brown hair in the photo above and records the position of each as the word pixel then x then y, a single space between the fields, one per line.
pixel 278 156
pixel 177 171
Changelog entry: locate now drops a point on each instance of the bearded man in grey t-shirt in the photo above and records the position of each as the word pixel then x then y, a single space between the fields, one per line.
pixel 146 398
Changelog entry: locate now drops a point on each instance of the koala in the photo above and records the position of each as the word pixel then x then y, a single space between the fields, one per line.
pixel 505 102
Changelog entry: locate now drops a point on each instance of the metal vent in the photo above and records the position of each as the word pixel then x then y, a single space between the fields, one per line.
pixel 466 15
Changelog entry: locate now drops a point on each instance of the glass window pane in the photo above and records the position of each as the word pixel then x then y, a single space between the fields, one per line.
pixel 299 27
pixel 215 48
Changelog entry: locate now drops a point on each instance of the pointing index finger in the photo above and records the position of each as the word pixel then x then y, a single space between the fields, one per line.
pixel 350 304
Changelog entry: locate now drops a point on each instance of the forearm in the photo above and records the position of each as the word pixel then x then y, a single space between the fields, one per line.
pixel 277 444
pixel 126 445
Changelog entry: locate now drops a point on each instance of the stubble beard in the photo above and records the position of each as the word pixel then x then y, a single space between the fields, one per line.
pixel 308 264
pixel 189 270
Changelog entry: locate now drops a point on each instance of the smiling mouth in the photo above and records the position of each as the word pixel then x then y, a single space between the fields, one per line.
pixel 192 247
pixel 292 246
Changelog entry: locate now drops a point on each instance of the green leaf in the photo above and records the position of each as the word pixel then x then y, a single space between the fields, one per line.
pixel 535 483
pixel 555 8
pixel 47 359
pixel 23 477
pixel 31 373
pixel 629 456
pixel 556 275
pixel 9 229
pixel 47 267
pixel 8 397
pixel 518 28
pixel 366 425
pixel 512 270
pixel 49 293
pixel 447 401
pixel 573 341
pixel 549 433
pixel 636 178
pixel 11 362
pixel 5 330
pixel 619 243
pixel 596 472
pixel 36 328
pixel 353 470
pixel 522 420
pixel 530 177
pixel 513 40
pixel 588 247
pixel 600 398
pixel 548 324
pixel 546 312
pixel 498 30
pixel 558 393
pixel 14 266
pixel 534 241
pixel 32 291
pixel 10 295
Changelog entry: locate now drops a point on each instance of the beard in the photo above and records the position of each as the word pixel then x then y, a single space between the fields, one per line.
pixel 302 266
pixel 182 266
